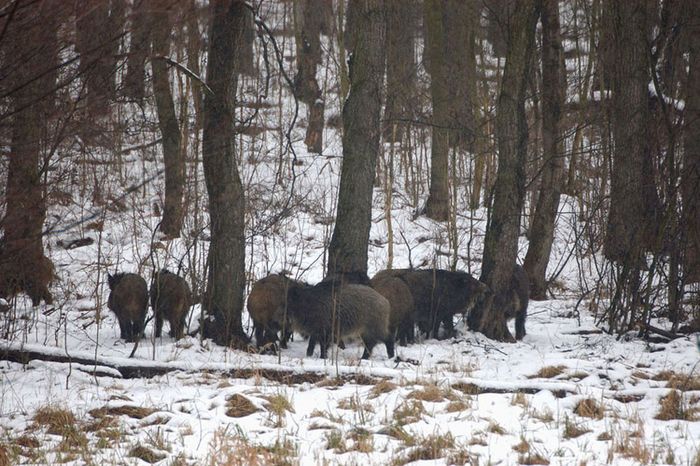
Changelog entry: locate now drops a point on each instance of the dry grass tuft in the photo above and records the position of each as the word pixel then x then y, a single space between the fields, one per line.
pixel 604 437
pixel 589 408
pixel 467 388
pixel 548 372
pixel 573 430
pixel 4 456
pixel 533 458
pixel 495 428
pixel 238 405
pixel 457 406
pixel 522 447
pixel 331 382
pixel 431 447
pixel 432 393
pixel 684 382
pixel 233 449
pixel 381 387
pixel 362 440
pixel 519 399
pixel 145 454
pixel 672 406
pixel 278 404
pixel 56 420
pixel 631 445
pixel 663 376
pixel 408 412
pixel 134 412
pixel 335 441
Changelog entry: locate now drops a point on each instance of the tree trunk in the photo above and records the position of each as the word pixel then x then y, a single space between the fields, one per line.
pixel 244 61
pixel 93 43
pixel 308 59
pixel 459 19
pixel 23 266
pixel 690 176
pixel 226 259
pixel 438 204
pixel 361 131
pixel 400 68
pixel 501 242
pixel 167 121
pixel 631 227
pixel 117 21
pixel 134 84
pixel 553 89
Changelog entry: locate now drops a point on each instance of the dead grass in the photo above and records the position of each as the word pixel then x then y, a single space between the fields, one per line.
pixel 382 387
pixel 467 388
pixel 495 428
pixel 589 408
pixel 573 429
pixel 335 441
pixel 362 440
pixel 457 406
pixel 432 393
pixel 684 382
pixel 631 445
pixel 238 405
pixel 672 406
pixel 232 448
pixel 548 372
pixel 432 447
pixel 522 447
pixel 408 412
pixel 533 458
pixel 134 412
pixel 145 454
pixel 4 456
pixel 519 399
pixel 55 419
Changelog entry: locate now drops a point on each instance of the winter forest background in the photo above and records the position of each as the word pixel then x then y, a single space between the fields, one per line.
pixel 228 140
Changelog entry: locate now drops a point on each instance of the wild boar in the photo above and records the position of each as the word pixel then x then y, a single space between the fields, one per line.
pixel 399 296
pixel 128 299
pixel 267 304
pixel 329 312
pixel 170 299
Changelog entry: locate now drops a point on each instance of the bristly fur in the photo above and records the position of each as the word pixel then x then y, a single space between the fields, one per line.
pixel 128 299
pixel 171 299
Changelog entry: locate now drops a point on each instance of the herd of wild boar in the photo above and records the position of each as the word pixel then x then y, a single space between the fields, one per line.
pixel 385 309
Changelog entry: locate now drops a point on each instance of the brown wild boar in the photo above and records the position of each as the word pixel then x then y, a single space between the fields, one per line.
pixel 399 296
pixel 329 312
pixel 128 299
pixel 170 299
pixel 267 303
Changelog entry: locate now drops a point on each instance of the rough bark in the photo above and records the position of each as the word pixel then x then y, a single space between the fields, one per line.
pixel 690 175
pixel 501 242
pixel 438 206
pixel 167 121
pixel 459 19
pixel 226 260
pixel 134 81
pixel 308 59
pixel 361 131
pixel 23 266
pixel 553 87
pixel 631 226
pixel 244 61
pixel 400 68
pixel 93 43
pixel 117 21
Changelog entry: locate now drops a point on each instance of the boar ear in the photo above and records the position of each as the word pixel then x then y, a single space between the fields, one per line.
pixel 110 280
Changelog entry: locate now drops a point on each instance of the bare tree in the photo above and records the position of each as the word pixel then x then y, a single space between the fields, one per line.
pixel 553 90
pixel 167 120
pixel 501 242
pixel 134 81
pixel 361 131
pixel 226 260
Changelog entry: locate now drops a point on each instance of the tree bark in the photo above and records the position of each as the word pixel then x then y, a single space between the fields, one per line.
pixel 690 175
pixel 23 266
pixel 400 68
pixel 553 89
pixel 308 59
pixel 167 122
pixel 438 204
pixel 631 226
pixel 361 131
pixel 501 242
pixel 134 81
pixel 226 259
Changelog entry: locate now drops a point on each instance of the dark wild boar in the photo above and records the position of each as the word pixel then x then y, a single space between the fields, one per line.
pixel 440 294
pixel 267 303
pixel 399 296
pixel 128 299
pixel 170 299
pixel 329 312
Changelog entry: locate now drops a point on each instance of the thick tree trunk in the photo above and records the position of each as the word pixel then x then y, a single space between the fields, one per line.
pixel 167 121
pixel 553 89
pixel 226 260
pixel 690 176
pixel 501 242
pixel 23 266
pixel 361 131
pixel 400 68
pixel 308 59
pixel 438 204
pixel 117 21
pixel 631 227
pixel 134 84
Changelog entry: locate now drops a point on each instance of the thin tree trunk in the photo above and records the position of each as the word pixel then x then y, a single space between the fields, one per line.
pixel 93 43
pixel 438 204
pixel 226 260
pixel 553 88
pixel 23 265
pixel 167 121
pixel 501 242
pixel 134 81
pixel 348 248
